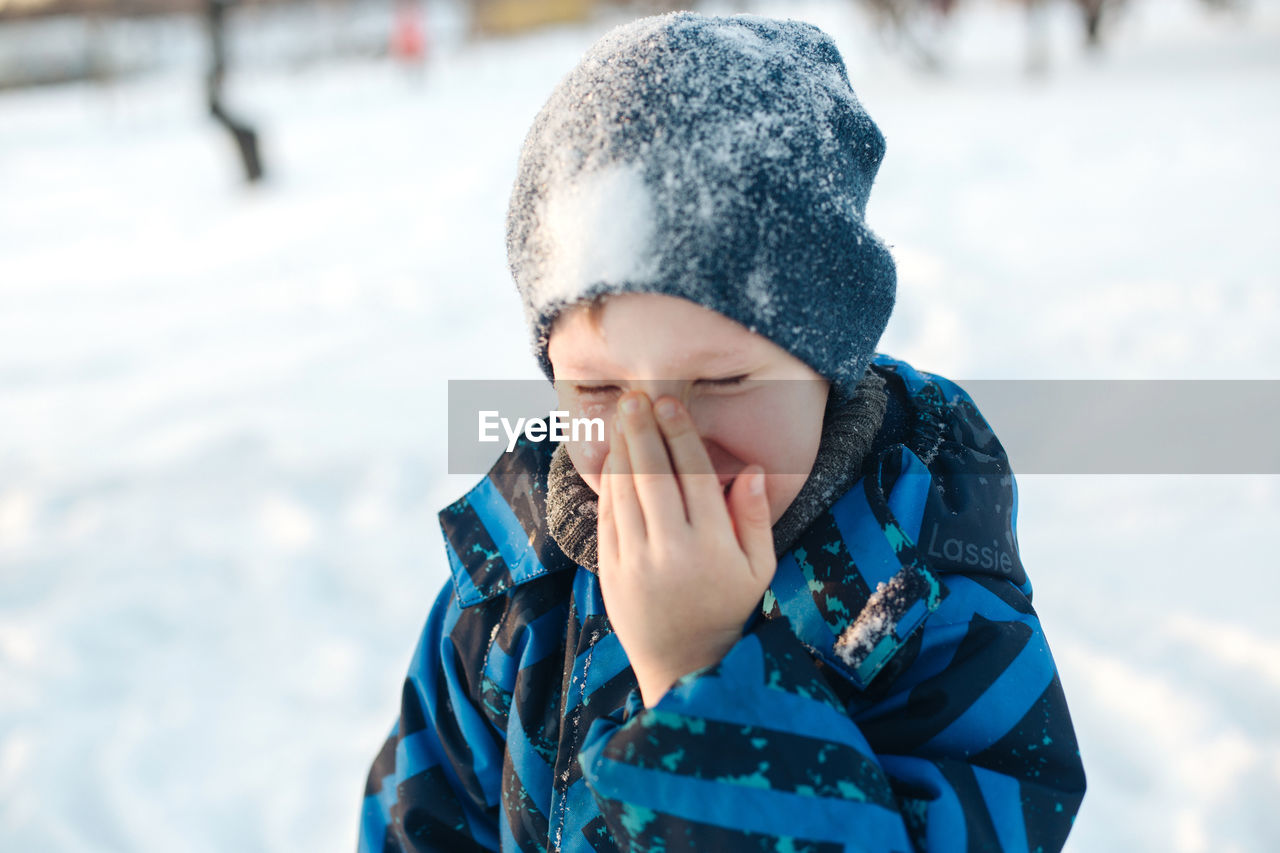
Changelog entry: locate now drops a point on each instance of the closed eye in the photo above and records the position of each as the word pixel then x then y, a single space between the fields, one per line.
pixel 599 390
pixel 596 389
pixel 727 382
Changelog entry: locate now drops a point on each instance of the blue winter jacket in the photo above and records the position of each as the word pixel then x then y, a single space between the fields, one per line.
pixel 895 691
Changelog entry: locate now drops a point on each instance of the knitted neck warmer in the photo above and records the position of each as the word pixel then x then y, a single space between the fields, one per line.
pixel 848 428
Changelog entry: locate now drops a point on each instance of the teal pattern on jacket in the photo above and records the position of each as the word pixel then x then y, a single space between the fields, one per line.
pixel 895 691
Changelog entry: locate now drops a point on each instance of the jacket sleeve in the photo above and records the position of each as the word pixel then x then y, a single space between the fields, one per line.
pixel 435 784
pixel 968 746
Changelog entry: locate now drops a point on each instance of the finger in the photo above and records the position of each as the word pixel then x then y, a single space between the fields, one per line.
pixel 623 501
pixel 606 529
pixel 655 482
pixel 703 497
pixel 749 503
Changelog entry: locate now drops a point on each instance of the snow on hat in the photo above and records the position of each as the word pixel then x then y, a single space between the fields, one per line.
pixel 725 160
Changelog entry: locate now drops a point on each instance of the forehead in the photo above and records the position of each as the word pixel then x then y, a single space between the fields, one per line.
pixel 651 332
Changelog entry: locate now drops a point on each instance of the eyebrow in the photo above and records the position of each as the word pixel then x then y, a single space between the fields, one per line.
pixel 716 355
pixel 707 356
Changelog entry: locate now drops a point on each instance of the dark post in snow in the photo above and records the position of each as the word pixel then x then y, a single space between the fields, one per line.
pixel 246 138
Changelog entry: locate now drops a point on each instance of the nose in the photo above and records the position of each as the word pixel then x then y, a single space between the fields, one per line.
pixel 656 388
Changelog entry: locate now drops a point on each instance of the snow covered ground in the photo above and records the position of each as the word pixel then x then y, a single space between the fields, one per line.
pixel 222 409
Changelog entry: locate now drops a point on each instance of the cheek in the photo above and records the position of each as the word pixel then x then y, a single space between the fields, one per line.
pixel 592 446
pixel 781 433
pixel 588 455
pixel 772 435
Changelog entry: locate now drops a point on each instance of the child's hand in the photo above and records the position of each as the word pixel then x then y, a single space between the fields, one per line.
pixel 681 569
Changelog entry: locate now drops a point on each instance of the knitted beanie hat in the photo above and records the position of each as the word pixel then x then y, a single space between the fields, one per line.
pixel 725 160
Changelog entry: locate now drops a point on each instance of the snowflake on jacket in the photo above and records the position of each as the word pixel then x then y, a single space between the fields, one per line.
pixel 895 692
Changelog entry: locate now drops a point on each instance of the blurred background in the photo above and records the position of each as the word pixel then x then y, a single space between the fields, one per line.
pixel 243 247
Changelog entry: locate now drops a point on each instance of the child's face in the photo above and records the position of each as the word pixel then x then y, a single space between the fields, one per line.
pixel 664 345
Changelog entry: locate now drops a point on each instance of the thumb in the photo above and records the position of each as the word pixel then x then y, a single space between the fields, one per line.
pixel 749 505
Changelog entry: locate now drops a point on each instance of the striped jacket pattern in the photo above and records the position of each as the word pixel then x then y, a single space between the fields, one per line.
pixel 895 691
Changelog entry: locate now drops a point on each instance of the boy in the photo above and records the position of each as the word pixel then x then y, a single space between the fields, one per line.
pixel 780 607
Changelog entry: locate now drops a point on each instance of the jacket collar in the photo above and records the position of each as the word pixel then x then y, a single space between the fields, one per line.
pixel 936 496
